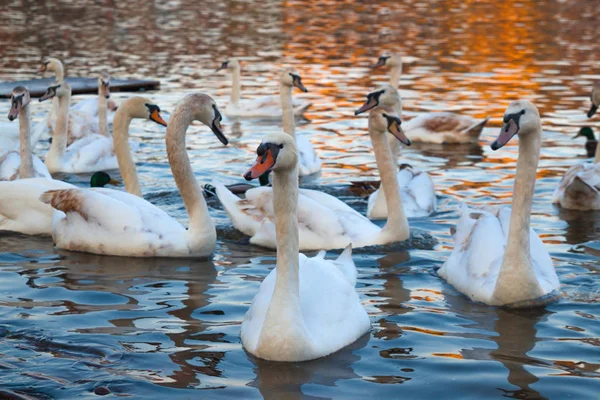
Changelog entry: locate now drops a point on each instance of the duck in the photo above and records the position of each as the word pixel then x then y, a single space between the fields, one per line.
pixel 595 98
pixel 498 259
pixel 89 154
pixel 265 107
pixel 22 163
pixel 88 116
pixel 307 307
pixel 22 211
pixel 325 222
pixel 435 127
pixel 579 188
pixel 416 186
pixel 111 222
pixel 309 162
pixel 591 143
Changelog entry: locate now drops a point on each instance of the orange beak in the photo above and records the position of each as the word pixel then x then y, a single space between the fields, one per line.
pixel 263 164
pixel 155 116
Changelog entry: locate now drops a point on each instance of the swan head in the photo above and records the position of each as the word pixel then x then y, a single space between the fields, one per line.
pixel 104 85
pixel 276 152
pixel 231 63
pixel 201 107
pixel 57 89
pixel 386 95
pixel 50 64
pixel 521 117
pixel 384 119
pixel 19 99
pixel 291 78
pixel 393 60
pixel 142 108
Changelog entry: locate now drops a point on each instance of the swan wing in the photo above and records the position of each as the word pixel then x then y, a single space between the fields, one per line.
pixel 90 154
pixel 21 209
pixel 9 136
pixel 443 127
pixel 418 186
pixel 105 221
pixel 579 188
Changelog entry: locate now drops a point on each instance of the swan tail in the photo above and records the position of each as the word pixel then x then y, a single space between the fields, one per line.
pixel 65 200
pixel 346 266
pixel 475 129
pixel 243 214
pixel 301 109
pixel 592 111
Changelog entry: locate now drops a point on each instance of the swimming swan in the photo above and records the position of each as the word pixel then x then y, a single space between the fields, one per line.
pixel 306 308
pixel 111 222
pixel 497 258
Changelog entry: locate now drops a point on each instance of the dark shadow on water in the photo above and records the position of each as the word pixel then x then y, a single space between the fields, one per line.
pixel 276 380
pixel 583 226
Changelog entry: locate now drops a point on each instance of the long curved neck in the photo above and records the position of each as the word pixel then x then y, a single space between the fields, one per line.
pixel 59 141
pixel 397 223
pixel 102 113
pixel 26 169
pixel 393 142
pixel 287 110
pixel 517 280
pixel 236 86
pixel 201 226
pixel 59 72
pixel 395 75
pixel 123 152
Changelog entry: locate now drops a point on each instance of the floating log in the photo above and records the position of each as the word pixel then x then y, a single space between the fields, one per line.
pixel 37 87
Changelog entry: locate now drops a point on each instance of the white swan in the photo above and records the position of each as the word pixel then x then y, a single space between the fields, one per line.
pixel 21 164
pixel 416 187
pixel 595 98
pixel 88 154
pixel 325 221
pixel 497 258
pixel 105 221
pixel 265 107
pixel 579 189
pixel 306 308
pixel 20 207
pixel 88 116
pixel 309 162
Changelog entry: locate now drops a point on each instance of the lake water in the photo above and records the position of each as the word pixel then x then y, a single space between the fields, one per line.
pixel 72 324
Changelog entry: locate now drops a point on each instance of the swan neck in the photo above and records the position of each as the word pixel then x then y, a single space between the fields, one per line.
pixel 285 204
pixel 102 114
pixel 395 75
pixel 517 279
pixel 201 227
pixel 59 140
pixel 397 223
pixel 236 87
pixel 597 155
pixel 287 111
pixel 59 72
pixel 123 152
pixel 26 169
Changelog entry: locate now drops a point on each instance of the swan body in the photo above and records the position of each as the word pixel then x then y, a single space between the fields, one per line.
pixel 306 308
pixel 309 162
pixel 265 107
pixel 444 128
pixel 497 258
pixel 21 209
pixel 416 187
pixel 21 163
pixel 579 189
pixel 325 222
pixel 110 222
pixel 417 193
pixel 10 135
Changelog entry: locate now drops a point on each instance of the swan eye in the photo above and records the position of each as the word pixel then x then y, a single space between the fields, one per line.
pixel 522 112
pixel 281 146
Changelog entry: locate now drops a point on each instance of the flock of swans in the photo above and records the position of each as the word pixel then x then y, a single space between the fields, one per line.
pixel 307 307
